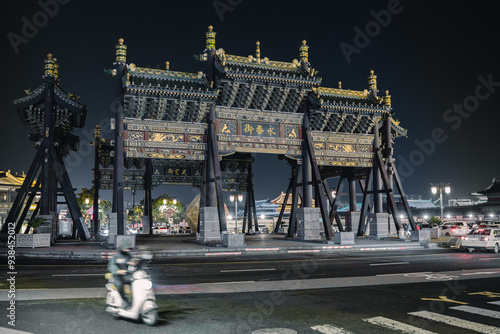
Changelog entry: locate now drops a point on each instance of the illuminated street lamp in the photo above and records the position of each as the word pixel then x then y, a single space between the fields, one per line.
pixel 439 187
pixel 233 199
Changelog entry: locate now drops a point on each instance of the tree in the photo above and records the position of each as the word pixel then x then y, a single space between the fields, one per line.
pixel 161 211
pixel 135 215
pixel 434 221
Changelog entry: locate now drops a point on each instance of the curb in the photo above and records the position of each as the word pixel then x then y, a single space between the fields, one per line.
pixel 105 255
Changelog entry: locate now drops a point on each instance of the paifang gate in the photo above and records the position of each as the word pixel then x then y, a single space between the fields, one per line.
pixel 202 129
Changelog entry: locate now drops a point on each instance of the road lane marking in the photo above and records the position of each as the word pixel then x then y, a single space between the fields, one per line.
pixel 457 322
pixel 223 253
pixel 329 329
pixel 497 302
pixel 261 249
pixel 304 251
pixel 236 282
pixel 445 299
pixel 477 310
pixel 406 274
pixel 381 248
pixel 490 259
pixel 63 275
pixel 388 264
pixel 255 269
pixel 481 273
pixel 396 325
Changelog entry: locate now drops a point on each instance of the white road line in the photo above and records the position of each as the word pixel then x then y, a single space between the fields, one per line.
pixel 490 259
pixel 329 329
pixel 457 322
pixel 405 274
pixel 396 325
pixel 496 302
pixel 477 310
pixel 304 251
pixel 480 273
pixel 238 270
pixel 388 264
pixel 237 282
pixel 63 275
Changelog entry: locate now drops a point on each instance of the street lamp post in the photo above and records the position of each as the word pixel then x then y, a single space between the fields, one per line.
pixel 435 187
pixel 237 199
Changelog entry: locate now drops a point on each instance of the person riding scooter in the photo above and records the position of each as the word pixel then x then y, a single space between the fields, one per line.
pixel 118 267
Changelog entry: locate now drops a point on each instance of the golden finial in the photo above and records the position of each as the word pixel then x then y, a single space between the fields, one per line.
pixel 387 99
pixel 49 65
pixel 121 51
pixel 304 52
pixel 210 36
pixel 372 81
pixel 97 132
pixel 167 65
pixel 257 51
pixel 340 84
pixel 56 68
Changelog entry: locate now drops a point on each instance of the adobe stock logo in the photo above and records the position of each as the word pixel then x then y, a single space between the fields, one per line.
pixel 372 29
pixel 30 28
pixel 454 117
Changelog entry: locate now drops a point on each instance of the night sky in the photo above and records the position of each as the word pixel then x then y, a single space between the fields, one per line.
pixel 440 63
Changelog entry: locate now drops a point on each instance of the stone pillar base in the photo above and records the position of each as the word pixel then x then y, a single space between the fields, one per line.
pixel 129 239
pixel 379 225
pixel 145 225
pixel 308 225
pixel 233 240
pixel 112 228
pixel 209 225
pixel 48 226
pixel 344 238
pixel 423 236
pixel 352 221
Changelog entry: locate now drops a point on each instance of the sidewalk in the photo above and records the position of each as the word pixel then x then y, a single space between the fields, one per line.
pixel 163 246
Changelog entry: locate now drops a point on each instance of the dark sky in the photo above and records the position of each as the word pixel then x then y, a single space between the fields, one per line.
pixel 432 57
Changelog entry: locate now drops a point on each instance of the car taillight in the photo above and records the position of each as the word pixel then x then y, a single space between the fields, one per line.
pixel 485 239
pixel 464 238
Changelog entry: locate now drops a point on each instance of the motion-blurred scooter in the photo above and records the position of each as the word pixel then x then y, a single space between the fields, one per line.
pixel 143 297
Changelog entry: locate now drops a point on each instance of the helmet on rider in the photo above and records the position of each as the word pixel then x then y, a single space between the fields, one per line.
pixel 125 246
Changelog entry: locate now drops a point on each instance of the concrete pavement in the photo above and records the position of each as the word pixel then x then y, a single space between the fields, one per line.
pixel 166 246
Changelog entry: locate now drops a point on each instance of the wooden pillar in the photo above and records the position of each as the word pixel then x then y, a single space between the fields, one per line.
pixel 377 195
pixel 119 116
pixel 97 179
pixel 307 193
pixel 47 142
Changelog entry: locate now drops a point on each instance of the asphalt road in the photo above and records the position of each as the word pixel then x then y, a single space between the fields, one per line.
pixel 37 273
pixel 437 307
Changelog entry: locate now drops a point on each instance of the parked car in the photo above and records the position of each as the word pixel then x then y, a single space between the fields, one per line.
pixel 482 239
pixel 454 228
pixel 263 229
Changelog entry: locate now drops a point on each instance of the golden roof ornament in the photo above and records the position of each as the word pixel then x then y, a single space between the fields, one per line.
pixel 121 52
pixel 167 65
pixel 304 52
pixel 210 36
pixel 340 84
pixel 49 65
pixel 56 68
pixel 387 99
pixel 257 51
pixel 372 81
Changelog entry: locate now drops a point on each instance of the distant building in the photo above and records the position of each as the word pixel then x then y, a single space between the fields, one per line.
pixel 9 184
pixel 267 208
